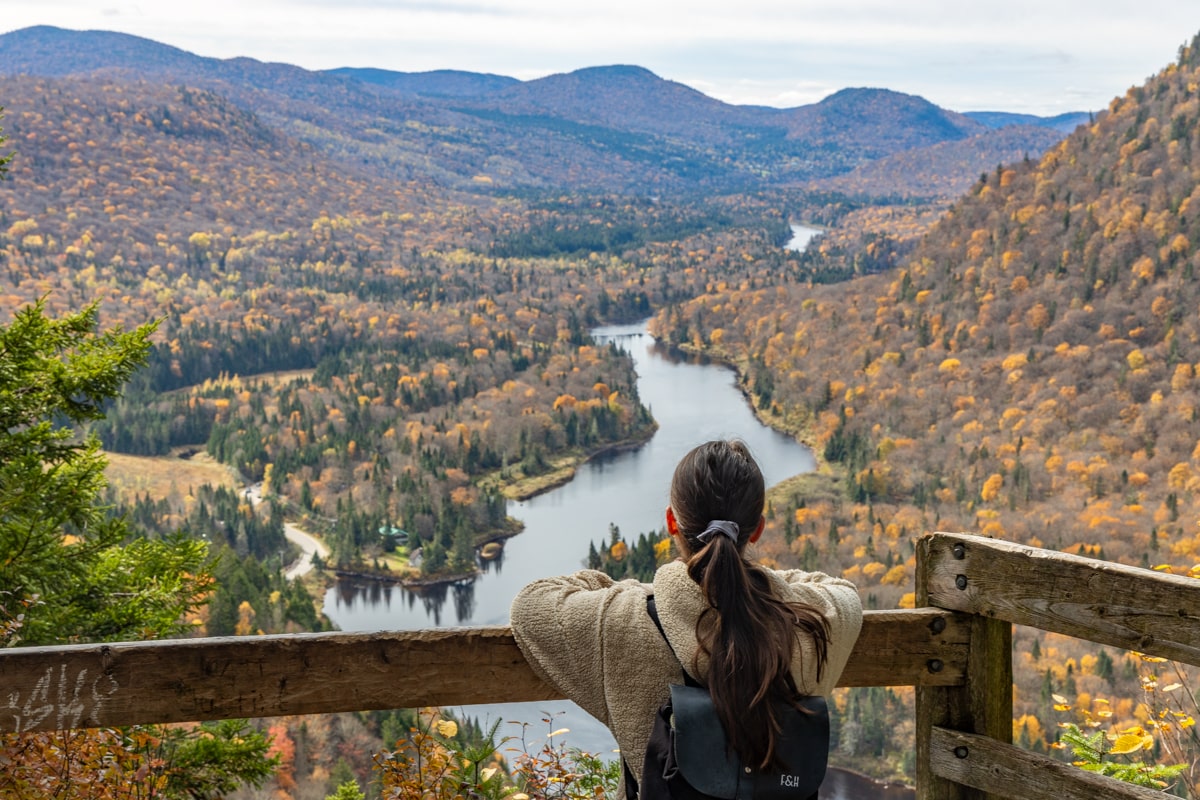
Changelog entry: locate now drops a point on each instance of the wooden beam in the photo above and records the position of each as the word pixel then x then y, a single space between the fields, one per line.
pixel 921 647
pixel 183 680
pixel 1128 607
pixel 258 676
pixel 1003 770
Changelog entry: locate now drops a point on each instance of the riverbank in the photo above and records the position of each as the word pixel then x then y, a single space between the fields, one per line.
pixel 794 422
pixel 826 481
pixel 512 484
pixel 515 485
pixel 396 569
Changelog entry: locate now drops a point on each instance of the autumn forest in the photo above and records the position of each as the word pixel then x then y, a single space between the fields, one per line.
pixel 377 306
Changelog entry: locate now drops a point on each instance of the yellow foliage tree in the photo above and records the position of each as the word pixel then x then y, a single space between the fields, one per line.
pixel 245 623
pixel 991 487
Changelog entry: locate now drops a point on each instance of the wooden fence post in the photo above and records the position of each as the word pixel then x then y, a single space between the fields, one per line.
pixel 982 704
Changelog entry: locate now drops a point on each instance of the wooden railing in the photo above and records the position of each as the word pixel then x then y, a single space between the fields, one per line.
pixel 955 649
pixel 964 732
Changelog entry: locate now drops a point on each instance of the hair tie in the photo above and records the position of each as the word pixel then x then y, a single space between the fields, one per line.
pixel 724 526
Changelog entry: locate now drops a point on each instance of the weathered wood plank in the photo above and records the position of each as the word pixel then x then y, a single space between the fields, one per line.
pixel 989 684
pixel 983 704
pixel 921 647
pixel 1128 607
pixel 264 676
pixel 936 706
pixel 1007 771
pixel 261 676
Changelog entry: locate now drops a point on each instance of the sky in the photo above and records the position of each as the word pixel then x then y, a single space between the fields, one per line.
pixel 1028 56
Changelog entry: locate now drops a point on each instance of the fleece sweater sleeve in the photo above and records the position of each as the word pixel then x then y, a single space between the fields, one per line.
pixel 839 602
pixel 558 624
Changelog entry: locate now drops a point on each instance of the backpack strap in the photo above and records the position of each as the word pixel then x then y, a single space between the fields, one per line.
pixel 631 781
pixel 652 609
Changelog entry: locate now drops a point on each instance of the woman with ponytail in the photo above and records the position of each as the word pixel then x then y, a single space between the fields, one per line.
pixel 754 637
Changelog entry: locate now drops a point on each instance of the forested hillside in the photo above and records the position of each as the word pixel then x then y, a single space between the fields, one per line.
pixel 943 170
pixel 424 361
pixel 1029 373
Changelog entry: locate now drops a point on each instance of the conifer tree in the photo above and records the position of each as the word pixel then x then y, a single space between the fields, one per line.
pixel 78 571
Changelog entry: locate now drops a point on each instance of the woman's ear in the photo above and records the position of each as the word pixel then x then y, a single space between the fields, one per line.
pixel 672 524
pixel 762 523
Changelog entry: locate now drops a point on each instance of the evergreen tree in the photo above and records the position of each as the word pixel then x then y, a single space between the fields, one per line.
pixel 58 546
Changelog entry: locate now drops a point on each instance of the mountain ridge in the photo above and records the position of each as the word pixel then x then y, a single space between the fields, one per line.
pixel 433 83
pixel 608 128
pixel 1065 122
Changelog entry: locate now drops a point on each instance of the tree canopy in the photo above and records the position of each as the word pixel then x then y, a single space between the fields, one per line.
pixel 61 553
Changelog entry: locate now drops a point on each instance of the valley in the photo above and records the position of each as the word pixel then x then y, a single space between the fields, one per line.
pixel 377 297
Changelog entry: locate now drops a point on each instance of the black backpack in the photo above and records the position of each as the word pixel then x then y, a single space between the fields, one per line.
pixel 687 757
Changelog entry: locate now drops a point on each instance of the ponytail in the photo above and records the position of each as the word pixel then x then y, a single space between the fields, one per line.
pixel 746 632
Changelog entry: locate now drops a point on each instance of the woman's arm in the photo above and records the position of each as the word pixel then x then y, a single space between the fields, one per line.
pixel 559 625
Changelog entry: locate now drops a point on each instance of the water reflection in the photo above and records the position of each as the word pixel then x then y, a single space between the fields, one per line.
pixel 842 785
pixel 464 599
pixel 665 351
pixel 428 602
pixel 494 564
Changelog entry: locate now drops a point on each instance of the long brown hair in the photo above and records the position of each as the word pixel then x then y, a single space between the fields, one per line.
pixel 746 632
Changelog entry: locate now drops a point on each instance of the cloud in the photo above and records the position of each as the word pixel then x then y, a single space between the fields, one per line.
pixel 1029 55
pixel 403 6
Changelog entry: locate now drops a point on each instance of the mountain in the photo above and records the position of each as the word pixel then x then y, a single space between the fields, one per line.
pixel 435 83
pixel 631 98
pixel 894 120
pixel 615 128
pixel 1065 123
pixel 54 52
pixel 124 164
pixel 50 51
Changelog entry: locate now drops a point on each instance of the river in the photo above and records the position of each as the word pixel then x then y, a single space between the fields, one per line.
pixel 801 236
pixel 693 400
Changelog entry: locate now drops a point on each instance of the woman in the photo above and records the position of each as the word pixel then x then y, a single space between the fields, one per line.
pixel 749 634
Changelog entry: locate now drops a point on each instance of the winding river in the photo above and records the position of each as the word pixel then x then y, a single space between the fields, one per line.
pixel 693 400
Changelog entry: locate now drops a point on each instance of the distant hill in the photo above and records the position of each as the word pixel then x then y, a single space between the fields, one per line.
pixel 944 170
pixel 616 128
pixel 49 51
pixel 893 120
pixel 1064 123
pixel 435 83
pixel 169 160
pixel 633 98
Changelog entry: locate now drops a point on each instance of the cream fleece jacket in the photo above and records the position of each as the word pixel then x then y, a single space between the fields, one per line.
pixel 592 638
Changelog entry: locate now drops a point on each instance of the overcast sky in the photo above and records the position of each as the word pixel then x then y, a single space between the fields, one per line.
pixel 1035 56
